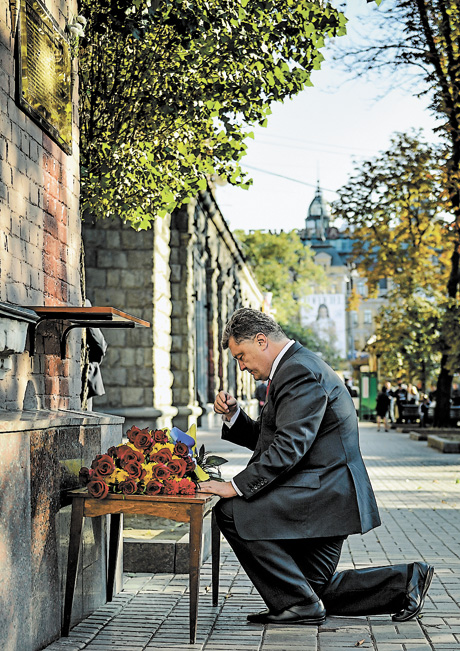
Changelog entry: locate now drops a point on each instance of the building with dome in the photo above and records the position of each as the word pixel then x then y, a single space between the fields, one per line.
pixel 327 308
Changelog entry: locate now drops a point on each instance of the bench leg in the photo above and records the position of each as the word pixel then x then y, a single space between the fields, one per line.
pixel 114 541
pixel 215 550
pixel 196 530
pixel 76 523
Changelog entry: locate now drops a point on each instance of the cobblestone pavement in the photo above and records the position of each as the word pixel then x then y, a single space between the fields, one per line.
pixel 418 490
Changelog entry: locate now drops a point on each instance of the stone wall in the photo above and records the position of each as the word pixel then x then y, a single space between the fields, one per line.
pixel 185 275
pixel 40 456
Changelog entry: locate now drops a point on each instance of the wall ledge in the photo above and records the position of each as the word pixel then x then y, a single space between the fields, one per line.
pixel 36 419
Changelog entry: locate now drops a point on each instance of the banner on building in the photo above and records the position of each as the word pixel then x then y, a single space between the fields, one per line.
pixel 325 315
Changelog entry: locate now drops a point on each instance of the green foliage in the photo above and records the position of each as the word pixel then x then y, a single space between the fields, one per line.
pixel 168 89
pixel 408 338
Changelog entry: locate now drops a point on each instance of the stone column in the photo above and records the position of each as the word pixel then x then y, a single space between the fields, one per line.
pixel 182 318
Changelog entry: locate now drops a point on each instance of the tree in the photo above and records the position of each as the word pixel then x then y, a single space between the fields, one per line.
pixel 407 339
pixel 422 36
pixel 285 267
pixel 168 89
pixel 395 205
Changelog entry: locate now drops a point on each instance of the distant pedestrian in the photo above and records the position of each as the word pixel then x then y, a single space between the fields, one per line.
pixel 401 399
pixel 382 408
pixel 349 386
pixel 413 395
pixel 392 394
pixel 424 410
pixel 261 394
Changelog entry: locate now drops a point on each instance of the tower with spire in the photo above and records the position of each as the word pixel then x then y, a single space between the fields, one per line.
pixel 318 217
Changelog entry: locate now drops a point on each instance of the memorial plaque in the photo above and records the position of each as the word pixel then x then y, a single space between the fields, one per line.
pixel 45 72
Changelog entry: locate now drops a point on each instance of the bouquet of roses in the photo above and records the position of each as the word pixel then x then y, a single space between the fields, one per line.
pixel 152 462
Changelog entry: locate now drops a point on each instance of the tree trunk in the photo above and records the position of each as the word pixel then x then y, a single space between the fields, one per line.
pixel 444 385
pixel 443 389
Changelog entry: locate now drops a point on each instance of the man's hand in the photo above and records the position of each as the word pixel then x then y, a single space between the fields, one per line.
pixel 225 404
pixel 221 488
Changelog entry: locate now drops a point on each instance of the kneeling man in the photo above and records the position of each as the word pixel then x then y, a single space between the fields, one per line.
pixel 305 489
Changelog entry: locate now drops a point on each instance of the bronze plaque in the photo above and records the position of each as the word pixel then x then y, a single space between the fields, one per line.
pixel 45 72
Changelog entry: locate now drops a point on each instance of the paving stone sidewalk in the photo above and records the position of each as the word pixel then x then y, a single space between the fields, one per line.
pixel 418 490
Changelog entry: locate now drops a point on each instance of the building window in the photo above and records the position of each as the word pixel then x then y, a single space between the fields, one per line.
pixel 383 287
pixel 354 318
pixel 368 317
pixel 361 287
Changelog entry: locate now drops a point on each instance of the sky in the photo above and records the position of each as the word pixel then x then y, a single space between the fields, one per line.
pixel 320 135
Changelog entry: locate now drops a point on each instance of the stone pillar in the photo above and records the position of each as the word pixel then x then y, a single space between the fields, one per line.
pixel 161 324
pixel 182 318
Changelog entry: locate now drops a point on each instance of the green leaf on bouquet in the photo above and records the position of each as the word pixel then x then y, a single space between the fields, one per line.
pixel 214 460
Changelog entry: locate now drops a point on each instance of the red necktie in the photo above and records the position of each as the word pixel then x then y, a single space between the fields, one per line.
pixel 268 387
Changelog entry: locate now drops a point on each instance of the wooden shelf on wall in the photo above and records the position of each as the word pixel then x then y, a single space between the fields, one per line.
pixel 82 317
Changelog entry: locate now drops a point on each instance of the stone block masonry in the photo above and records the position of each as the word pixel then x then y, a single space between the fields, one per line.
pixel 185 276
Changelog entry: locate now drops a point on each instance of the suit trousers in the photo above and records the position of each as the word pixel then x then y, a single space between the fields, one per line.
pixel 287 572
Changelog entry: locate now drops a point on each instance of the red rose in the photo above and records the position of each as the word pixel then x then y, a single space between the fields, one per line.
pixel 191 464
pixel 142 439
pixel 128 487
pixel 126 453
pixel 103 465
pixel 148 448
pixel 160 472
pixel 159 436
pixel 170 487
pixel 112 451
pixel 181 449
pixel 98 488
pixel 162 456
pixel 186 487
pixel 134 470
pixel 178 467
pixel 131 433
pixel 153 488
pixel 85 475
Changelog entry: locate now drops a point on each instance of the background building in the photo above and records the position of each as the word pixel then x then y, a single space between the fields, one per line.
pixel 334 311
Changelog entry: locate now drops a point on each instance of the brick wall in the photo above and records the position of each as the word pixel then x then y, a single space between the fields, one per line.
pixel 40 232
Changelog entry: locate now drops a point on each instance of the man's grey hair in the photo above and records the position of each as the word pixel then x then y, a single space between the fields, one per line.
pixel 245 323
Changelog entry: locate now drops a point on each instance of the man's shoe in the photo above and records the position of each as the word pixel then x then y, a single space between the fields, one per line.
pixel 417 588
pixel 310 614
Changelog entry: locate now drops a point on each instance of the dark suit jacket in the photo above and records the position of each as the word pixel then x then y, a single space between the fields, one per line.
pixel 306 478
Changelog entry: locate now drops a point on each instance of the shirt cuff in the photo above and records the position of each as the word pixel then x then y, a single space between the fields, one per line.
pixel 236 488
pixel 230 422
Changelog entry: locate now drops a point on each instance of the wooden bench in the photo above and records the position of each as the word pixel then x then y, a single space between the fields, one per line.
pixel 190 509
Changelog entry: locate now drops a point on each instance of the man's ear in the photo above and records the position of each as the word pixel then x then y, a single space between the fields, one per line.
pixel 261 340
